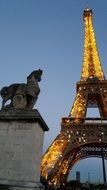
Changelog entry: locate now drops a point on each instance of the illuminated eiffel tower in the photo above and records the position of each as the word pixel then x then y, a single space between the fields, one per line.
pixel 81 137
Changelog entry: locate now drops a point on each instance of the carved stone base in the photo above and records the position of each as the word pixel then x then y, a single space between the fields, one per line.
pixel 21 142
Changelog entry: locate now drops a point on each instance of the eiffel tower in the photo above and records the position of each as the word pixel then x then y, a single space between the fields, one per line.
pixel 81 137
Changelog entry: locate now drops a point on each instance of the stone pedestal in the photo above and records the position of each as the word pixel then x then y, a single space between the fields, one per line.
pixel 21 142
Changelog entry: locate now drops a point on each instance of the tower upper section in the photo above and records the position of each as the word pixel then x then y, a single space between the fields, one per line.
pixel 91 62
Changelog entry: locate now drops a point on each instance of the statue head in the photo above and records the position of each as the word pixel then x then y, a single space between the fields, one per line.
pixel 36 74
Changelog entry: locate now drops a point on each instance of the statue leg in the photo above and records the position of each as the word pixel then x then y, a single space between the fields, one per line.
pixel 31 101
pixel 3 103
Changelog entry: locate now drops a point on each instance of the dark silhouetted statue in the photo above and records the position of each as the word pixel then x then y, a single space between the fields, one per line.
pixel 22 96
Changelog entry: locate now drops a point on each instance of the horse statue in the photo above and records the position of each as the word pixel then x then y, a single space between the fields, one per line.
pixel 21 95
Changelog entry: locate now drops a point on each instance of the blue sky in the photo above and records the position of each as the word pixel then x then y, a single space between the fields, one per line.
pixel 49 34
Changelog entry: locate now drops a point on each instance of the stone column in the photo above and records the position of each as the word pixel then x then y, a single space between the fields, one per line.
pixel 21 143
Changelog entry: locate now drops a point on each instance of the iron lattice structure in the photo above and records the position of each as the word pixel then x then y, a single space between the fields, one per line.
pixel 81 137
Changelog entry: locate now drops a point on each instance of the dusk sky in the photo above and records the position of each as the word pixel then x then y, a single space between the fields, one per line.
pixel 49 34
